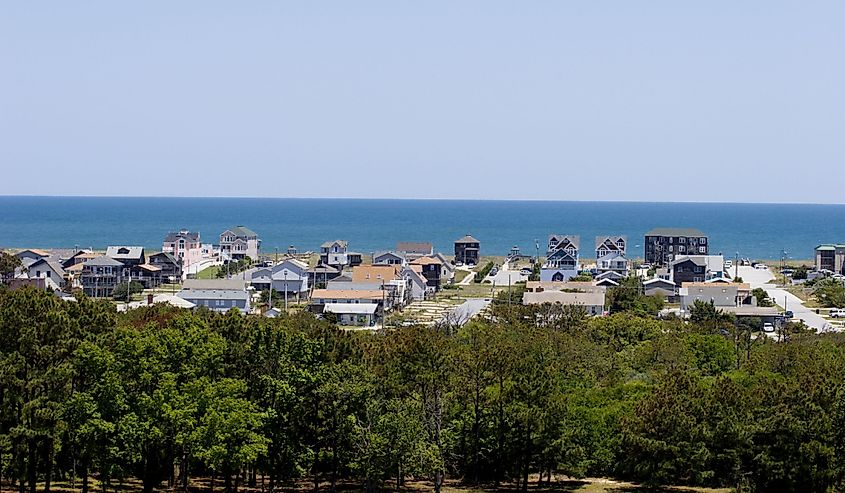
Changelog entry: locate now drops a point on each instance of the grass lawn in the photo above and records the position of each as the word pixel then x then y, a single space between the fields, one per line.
pixel 460 275
pixel 209 272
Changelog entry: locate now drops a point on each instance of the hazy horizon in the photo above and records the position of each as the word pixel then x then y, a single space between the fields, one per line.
pixel 721 102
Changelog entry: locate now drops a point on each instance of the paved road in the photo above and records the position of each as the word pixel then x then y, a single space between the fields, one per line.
pixel 758 278
pixel 466 281
pixel 506 276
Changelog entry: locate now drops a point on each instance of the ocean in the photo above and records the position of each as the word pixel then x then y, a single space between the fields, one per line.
pixel 758 231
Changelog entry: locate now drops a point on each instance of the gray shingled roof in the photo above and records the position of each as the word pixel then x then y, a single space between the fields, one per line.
pixel 414 247
pixel 103 261
pixel 243 231
pixel 174 236
pixel 689 232
pixel 467 239
pixel 133 252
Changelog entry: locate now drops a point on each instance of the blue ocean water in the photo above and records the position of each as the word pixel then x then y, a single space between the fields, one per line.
pixel 752 230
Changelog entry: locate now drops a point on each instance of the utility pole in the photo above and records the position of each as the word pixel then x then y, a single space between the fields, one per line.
pixel 736 266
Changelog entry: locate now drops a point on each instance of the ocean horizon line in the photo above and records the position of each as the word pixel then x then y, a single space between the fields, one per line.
pixel 416 199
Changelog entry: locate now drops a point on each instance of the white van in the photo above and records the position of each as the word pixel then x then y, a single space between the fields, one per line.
pixel 837 312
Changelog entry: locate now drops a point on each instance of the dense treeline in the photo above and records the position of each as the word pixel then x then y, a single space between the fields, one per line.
pixel 165 395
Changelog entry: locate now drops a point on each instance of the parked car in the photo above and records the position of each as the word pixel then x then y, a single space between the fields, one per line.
pixel 728 264
pixel 788 314
pixel 768 328
pixel 837 313
pixel 760 266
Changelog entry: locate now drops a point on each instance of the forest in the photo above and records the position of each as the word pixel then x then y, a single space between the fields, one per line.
pixel 512 399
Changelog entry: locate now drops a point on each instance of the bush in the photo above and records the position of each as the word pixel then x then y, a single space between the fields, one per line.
pixel 119 292
pixel 480 275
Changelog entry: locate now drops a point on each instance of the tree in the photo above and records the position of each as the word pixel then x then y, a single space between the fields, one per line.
pixel 8 264
pixel 133 288
pixel 629 296
pixel 762 297
pixel 830 292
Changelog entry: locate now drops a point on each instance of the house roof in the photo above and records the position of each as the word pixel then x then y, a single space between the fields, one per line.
pixel 600 240
pixel 830 246
pixel 103 261
pixel 299 264
pixel 675 232
pixel 751 311
pixel 328 244
pixel 125 252
pixel 414 247
pixel 738 286
pixel 348 294
pixel 350 308
pixel 467 239
pixel 169 256
pixel 324 269
pixel 364 273
pixel 242 231
pixel 150 268
pixel 575 240
pixel 427 260
pixel 588 299
pixel 657 280
pixel 40 253
pixel 188 235
pixel 213 294
pixel 215 284
pixel 414 275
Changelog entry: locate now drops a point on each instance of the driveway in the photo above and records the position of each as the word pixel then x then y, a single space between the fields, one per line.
pixel 758 278
pixel 506 276
pixel 468 309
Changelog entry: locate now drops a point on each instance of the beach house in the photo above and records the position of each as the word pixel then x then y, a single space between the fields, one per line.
pixel 220 295
pixel 467 250
pixel 561 258
pixel 184 245
pixel 100 275
pixel 611 259
pixel 831 257
pixel 662 245
pixel 239 242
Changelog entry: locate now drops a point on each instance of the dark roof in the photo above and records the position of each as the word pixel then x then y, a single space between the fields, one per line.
pixel 57 267
pixel 169 256
pixel 103 261
pixel 691 232
pixel 174 236
pixel 414 247
pixel 125 252
pixel 467 239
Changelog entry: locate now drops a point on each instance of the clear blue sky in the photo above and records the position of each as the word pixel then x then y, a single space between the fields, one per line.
pixel 592 100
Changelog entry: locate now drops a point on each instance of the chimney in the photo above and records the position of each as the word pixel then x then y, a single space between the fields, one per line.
pixel 150 299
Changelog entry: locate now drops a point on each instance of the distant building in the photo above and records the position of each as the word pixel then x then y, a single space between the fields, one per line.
pixel 169 266
pixel 721 294
pixel 831 257
pixel 431 268
pixel 336 254
pixel 388 258
pixel 31 255
pixel 662 245
pixel 290 276
pixel 100 275
pixel 184 245
pixel 46 268
pixel 467 250
pixel 239 242
pixel 696 268
pixel 129 256
pixel 592 302
pixel 611 256
pixel 411 250
pixel 561 258
pixel 220 295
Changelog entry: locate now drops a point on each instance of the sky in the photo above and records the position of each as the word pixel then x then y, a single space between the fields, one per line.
pixel 720 101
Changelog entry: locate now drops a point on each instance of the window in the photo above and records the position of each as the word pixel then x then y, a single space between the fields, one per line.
pixel 682 240
pixel 702 249
pixel 703 241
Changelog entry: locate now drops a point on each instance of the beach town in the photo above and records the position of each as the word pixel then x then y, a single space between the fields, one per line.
pixel 411 283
